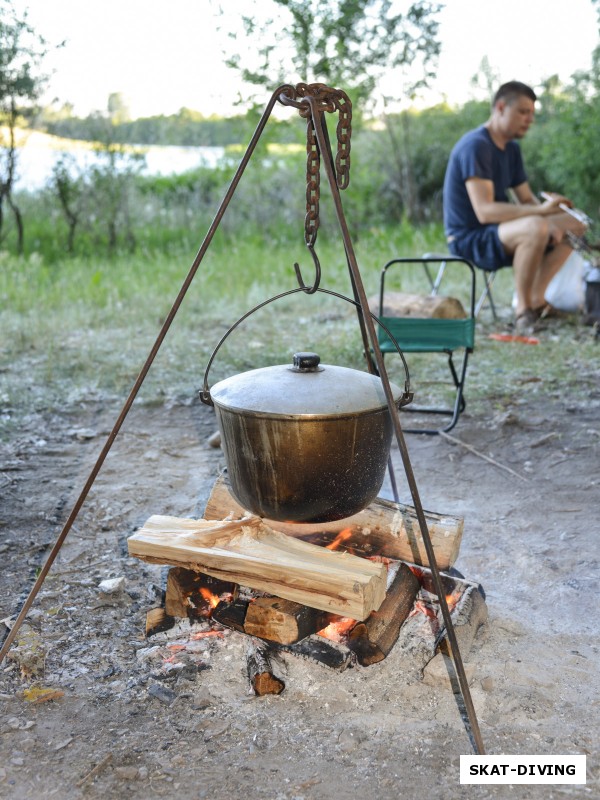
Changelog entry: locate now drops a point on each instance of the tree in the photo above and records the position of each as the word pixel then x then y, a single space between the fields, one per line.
pixel 21 83
pixel 349 44
pixel 118 108
pixel 111 182
pixel 562 150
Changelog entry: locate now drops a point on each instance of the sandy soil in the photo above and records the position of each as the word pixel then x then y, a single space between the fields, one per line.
pixel 121 725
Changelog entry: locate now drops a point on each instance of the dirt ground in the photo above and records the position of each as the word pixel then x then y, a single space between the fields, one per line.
pixel 121 724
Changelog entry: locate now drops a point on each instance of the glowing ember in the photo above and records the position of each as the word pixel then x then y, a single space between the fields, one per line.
pixel 421 607
pixel 381 560
pixel 206 634
pixel 339 539
pixel 430 608
pixel 338 630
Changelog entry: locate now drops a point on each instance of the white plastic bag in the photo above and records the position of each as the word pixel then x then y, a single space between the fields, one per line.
pixel 566 290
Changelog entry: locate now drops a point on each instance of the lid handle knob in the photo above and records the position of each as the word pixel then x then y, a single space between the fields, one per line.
pixel 306 362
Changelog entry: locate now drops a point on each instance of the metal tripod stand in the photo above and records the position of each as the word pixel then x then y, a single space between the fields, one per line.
pixel 312 101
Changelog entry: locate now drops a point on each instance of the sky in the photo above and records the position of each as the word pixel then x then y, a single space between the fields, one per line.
pixel 166 54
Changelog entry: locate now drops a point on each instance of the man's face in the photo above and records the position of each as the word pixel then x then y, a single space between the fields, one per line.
pixel 515 117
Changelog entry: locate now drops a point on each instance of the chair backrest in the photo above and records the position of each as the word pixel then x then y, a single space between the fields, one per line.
pixel 427 335
pixel 423 335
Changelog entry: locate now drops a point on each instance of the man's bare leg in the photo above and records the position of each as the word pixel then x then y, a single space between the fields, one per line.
pixel 551 264
pixel 527 240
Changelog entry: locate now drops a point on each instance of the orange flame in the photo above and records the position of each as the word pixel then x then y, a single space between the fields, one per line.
pixel 212 600
pixel 453 598
pixel 344 534
pixel 338 629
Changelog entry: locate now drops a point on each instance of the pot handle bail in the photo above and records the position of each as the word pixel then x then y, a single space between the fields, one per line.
pixel 404 400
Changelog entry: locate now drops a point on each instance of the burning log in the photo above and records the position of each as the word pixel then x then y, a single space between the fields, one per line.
pixel 283 621
pixel 192 594
pixel 249 553
pixel 471 614
pixel 321 651
pixel 383 528
pixel 260 673
pixel 373 639
pixel 231 615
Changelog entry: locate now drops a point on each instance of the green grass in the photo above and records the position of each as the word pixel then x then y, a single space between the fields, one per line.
pixel 81 329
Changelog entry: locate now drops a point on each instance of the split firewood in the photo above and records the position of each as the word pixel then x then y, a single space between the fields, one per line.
pixel 373 639
pixel 260 673
pixel 383 528
pixel 250 553
pixel 157 621
pixel 283 621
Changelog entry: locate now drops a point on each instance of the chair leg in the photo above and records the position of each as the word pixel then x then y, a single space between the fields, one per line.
pixel 459 401
pixel 488 278
pixel 434 282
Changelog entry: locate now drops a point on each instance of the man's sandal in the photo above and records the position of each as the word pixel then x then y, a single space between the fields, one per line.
pixel 525 322
pixel 548 312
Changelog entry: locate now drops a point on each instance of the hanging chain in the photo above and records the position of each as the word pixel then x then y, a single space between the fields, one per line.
pixel 329 100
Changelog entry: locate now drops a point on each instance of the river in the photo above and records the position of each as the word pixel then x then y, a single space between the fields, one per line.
pixel 39 152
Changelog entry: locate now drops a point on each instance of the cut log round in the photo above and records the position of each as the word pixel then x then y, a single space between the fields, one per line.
pixel 260 673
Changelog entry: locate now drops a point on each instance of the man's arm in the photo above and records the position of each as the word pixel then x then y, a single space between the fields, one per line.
pixel 488 211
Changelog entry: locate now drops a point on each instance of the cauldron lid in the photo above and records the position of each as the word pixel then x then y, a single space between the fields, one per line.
pixel 305 389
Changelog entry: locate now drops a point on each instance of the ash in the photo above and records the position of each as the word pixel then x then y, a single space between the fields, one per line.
pixel 90 707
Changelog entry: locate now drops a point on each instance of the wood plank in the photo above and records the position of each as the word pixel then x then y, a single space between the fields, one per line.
pixel 251 554
pixel 383 528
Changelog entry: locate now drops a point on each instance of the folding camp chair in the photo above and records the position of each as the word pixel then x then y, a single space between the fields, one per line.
pixel 434 282
pixel 425 335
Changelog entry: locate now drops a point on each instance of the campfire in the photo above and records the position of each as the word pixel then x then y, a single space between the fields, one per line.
pixel 284 586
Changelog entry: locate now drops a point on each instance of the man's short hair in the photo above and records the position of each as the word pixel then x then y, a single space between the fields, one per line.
pixel 511 91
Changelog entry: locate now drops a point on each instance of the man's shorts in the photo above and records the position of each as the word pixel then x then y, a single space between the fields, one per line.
pixel 483 247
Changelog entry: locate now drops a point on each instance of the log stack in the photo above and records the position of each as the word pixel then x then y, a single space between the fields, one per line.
pixel 299 579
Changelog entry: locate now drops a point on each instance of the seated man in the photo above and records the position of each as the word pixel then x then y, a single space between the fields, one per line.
pixel 480 222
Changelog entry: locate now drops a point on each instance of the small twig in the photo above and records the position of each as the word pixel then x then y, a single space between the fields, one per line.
pixel 482 455
pixel 92 773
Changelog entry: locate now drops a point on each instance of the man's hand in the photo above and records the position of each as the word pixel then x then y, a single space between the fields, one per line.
pixel 553 202
pixel 578 221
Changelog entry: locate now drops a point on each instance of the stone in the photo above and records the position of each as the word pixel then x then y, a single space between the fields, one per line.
pixel 162 693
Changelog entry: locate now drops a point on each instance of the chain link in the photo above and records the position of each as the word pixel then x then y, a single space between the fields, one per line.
pixel 327 100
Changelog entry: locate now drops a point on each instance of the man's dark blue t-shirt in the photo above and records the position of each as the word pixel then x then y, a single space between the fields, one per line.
pixel 476 156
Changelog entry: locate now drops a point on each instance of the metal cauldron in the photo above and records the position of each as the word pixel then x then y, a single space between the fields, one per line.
pixel 304 443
